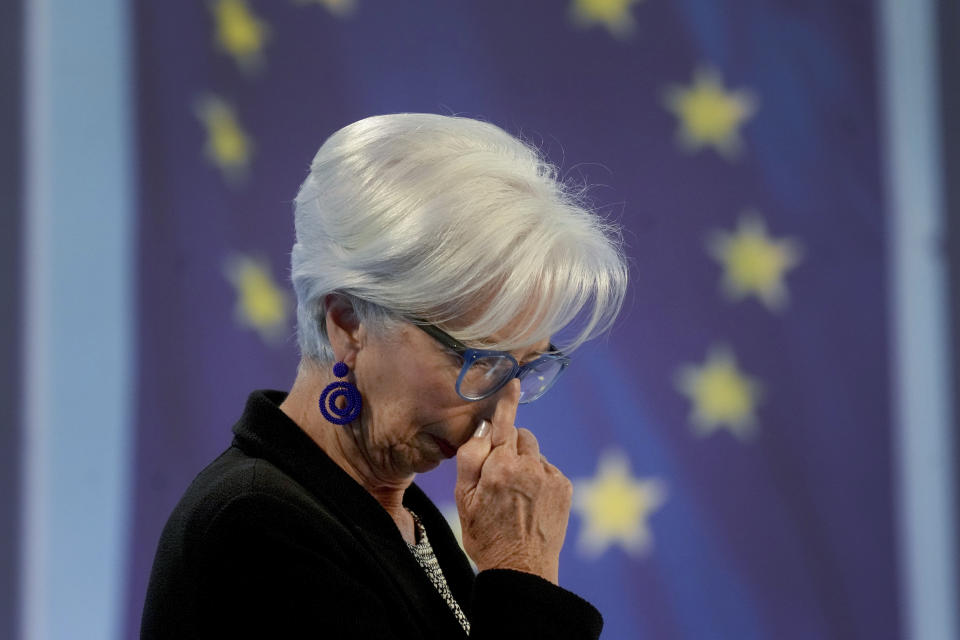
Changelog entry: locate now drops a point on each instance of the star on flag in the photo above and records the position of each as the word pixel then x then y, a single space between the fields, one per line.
pixel 753 262
pixel 708 114
pixel 614 15
pixel 616 507
pixel 239 32
pixel 720 395
pixel 261 304
pixel 227 147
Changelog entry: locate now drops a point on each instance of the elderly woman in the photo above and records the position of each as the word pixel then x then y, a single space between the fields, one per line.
pixel 435 260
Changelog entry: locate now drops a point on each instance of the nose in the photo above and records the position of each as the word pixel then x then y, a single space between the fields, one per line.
pixel 513 383
pixel 507 391
pixel 486 407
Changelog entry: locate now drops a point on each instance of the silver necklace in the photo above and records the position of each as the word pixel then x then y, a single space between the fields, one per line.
pixel 423 553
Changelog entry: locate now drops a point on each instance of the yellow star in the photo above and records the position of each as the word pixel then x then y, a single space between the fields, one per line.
pixel 709 115
pixel 340 8
pixel 754 263
pixel 227 146
pixel 613 14
pixel 721 395
pixel 239 32
pixel 261 304
pixel 616 507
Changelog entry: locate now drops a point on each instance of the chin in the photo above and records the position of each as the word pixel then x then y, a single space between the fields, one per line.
pixel 426 464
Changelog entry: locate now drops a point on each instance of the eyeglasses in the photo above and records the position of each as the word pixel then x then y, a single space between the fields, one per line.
pixel 486 372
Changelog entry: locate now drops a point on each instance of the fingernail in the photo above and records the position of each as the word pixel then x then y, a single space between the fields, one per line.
pixel 482 429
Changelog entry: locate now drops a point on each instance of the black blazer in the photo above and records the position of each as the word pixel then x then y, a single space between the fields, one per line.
pixel 274 540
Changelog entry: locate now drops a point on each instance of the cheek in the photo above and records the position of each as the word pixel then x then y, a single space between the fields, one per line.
pixel 439 391
pixel 421 383
pixel 419 404
pixel 405 397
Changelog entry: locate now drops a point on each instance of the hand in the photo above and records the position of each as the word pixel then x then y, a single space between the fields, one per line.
pixel 514 505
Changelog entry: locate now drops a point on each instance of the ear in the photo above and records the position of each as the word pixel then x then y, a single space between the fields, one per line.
pixel 343 328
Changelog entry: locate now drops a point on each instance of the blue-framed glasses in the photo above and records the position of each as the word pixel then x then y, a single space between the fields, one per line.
pixel 485 372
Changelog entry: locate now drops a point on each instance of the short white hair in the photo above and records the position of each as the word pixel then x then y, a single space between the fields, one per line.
pixel 454 222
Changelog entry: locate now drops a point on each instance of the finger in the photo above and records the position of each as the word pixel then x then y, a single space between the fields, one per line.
pixel 504 415
pixel 471 455
pixel 527 444
pixel 547 466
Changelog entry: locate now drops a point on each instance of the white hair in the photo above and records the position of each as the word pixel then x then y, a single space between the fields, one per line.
pixel 454 222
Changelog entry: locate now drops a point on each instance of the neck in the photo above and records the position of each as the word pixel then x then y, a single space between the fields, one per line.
pixel 344 444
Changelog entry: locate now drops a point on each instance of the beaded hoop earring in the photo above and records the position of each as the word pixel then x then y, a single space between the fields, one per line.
pixel 338 389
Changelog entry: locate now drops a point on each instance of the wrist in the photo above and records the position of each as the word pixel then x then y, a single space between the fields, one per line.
pixel 549 572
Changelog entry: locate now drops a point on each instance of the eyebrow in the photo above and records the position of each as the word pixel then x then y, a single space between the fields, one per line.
pixel 536 353
pixel 528 357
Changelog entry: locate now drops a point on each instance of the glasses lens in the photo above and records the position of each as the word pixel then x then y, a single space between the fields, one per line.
pixel 484 375
pixel 536 381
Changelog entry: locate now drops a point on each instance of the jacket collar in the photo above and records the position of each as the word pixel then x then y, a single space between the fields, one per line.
pixel 265 431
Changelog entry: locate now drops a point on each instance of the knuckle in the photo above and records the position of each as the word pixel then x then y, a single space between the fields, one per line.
pixel 497 458
pixel 530 466
pixel 512 471
pixel 493 467
pixel 497 485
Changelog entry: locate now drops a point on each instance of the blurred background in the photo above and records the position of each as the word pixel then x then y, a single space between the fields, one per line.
pixel 763 446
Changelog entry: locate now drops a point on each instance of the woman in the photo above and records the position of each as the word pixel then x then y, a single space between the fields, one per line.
pixel 435 259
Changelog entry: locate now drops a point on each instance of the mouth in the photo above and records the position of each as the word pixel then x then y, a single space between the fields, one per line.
pixel 447 449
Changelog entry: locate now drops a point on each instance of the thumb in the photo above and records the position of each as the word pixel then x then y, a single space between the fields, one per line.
pixel 471 455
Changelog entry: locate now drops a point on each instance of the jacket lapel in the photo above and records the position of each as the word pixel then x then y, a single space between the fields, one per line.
pixel 267 432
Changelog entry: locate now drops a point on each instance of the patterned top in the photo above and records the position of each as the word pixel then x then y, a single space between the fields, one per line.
pixel 425 557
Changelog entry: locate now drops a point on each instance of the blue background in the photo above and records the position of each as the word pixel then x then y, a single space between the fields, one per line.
pixel 797 532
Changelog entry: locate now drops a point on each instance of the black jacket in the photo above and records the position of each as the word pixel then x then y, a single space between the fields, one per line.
pixel 274 540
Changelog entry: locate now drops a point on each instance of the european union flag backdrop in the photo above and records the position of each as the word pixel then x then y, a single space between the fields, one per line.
pixel 729 442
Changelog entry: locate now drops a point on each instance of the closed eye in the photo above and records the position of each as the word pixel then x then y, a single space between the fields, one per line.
pixel 534 356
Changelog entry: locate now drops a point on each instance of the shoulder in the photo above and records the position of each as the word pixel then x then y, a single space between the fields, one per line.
pixel 248 549
pixel 236 476
pixel 237 494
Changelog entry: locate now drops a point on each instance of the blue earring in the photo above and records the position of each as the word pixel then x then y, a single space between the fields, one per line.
pixel 335 390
